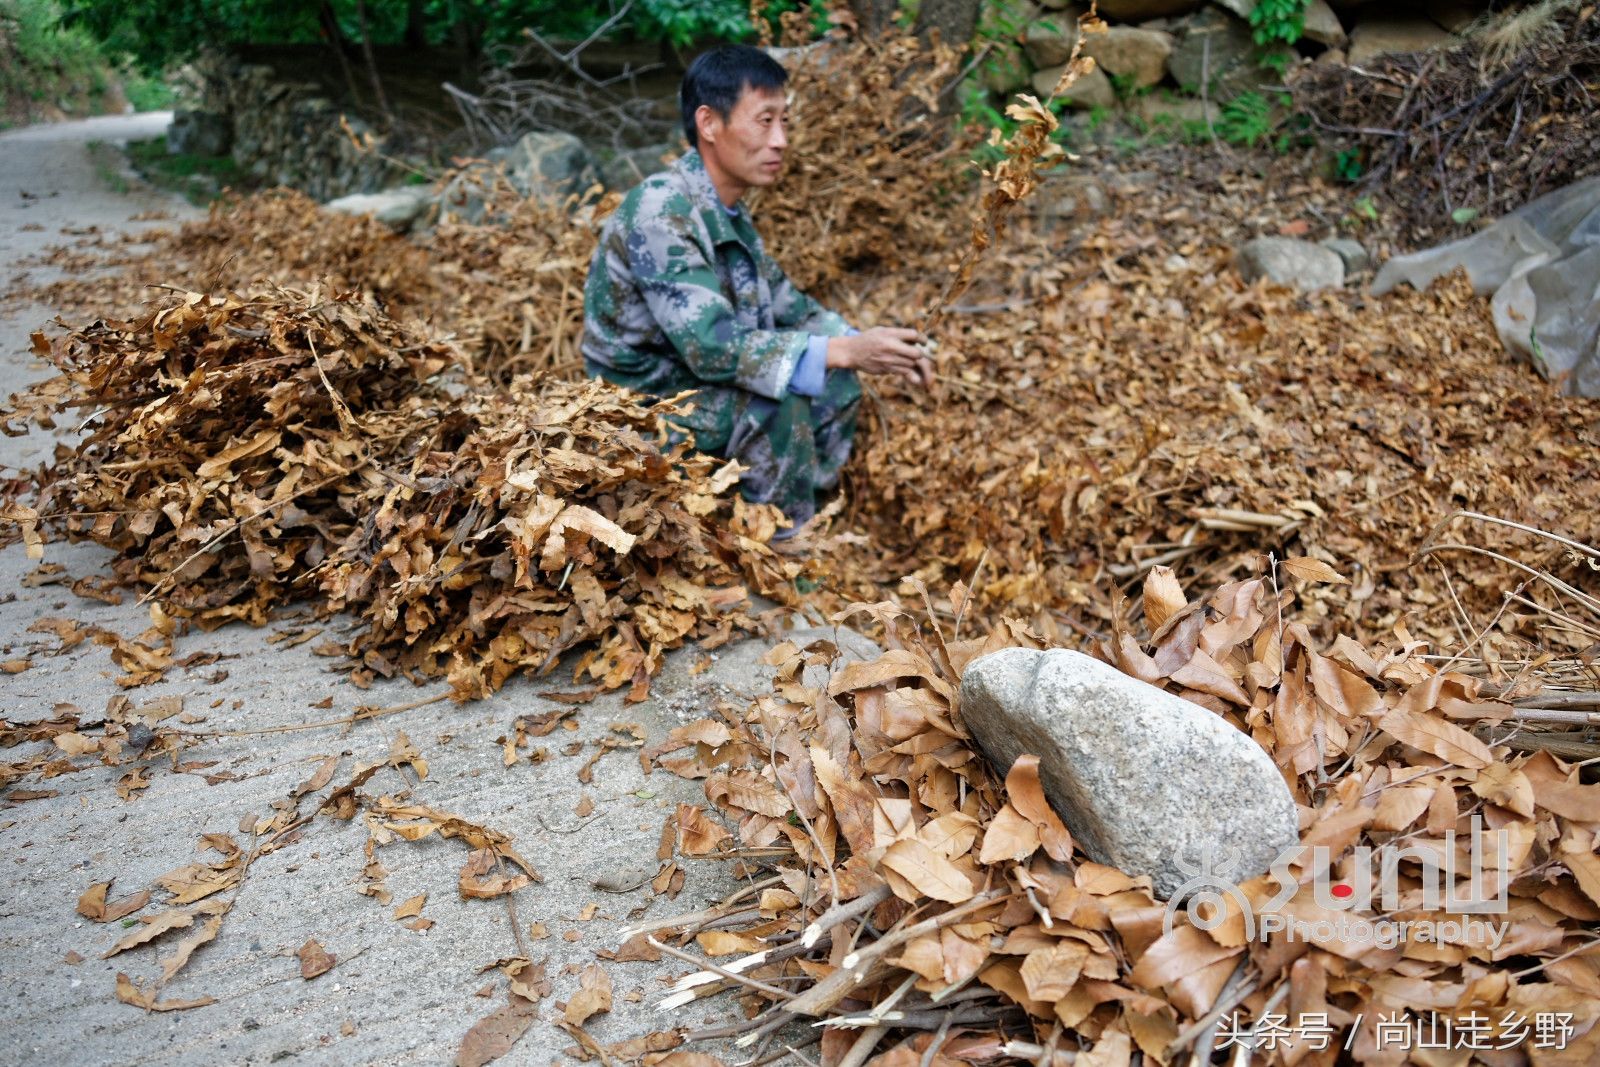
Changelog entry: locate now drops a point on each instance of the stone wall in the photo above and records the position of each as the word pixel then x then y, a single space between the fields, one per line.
pixel 1201 47
pixel 284 132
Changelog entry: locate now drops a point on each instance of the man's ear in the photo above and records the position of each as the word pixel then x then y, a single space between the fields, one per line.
pixel 707 123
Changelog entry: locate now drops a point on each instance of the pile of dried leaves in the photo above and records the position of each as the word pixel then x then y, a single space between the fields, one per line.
pixel 1481 128
pixel 1144 406
pixel 510 288
pixel 245 451
pixel 918 908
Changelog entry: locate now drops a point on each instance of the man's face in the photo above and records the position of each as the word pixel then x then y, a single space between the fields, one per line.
pixel 748 146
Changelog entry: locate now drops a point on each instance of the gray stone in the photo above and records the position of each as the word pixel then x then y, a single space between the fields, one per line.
pixel 398 208
pixel 1140 10
pixel 1182 113
pixel 1048 41
pixel 1146 781
pixel 1292 262
pixel 199 133
pixel 1354 254
pixel 1090 91
pixel 1139 55
pixel 632 166
pixel 1216 49
pixel 1382 35
pixel 1007 70
pixel 1077 197
pixel 552 166
pixel 1323 25
pixel 1454 15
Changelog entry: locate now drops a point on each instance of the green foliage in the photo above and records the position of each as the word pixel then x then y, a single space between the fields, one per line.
pixel 158 33
pixel 1246 119
pixel 1128 88
pixel 1278 21
pixel 1348 165
pixel 198 178
pixel 1363 211
pixel 45 66
pixel 683 22
pixel 1276 25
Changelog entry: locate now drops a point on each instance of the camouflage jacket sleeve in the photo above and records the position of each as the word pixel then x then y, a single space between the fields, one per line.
pixel 681 287
pixel 794 310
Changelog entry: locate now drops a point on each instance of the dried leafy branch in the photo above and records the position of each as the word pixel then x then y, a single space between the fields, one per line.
pixel 921 909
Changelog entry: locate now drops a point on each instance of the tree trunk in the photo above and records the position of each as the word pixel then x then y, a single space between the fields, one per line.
pixel 874 16
pixel 416 24
pixel 330 30
pixel 956 20
pixel 372 63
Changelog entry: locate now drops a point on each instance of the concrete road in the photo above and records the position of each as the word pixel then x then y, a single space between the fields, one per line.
pixel 396 994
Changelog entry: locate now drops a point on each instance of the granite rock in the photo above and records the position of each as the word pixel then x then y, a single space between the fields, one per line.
pixel 1384 35
pixel 397 208
pixel 1090 91
pixel 199 133
pixel 1354 253
pixel 1146 781
pixel 1288 261
pixel 1136 54
pixel 1048 41
pixel 1215 52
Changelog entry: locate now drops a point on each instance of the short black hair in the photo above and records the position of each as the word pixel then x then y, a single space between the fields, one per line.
pixel 718 78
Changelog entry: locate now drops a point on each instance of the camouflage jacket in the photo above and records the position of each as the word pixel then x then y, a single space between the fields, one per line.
pixel 682 295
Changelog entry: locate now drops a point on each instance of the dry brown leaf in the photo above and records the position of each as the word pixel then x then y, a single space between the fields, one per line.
pixel 94 906
pixel 1163 597
pixel 152 928
pixel 493 1036
pixel 698 834
pixel 1499 784
pixel 926 872
pixel 1437 737
pixel 314 959
pixel 1308 569
pixel 129 993
pixel 185 948
pixel 411 907
pixel 1026 793
pixel 1009 837
pixel 321 777
pixel 593 996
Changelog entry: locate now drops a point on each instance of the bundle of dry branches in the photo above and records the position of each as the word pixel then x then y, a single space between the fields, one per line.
pixel 1485 126
pixel 911 905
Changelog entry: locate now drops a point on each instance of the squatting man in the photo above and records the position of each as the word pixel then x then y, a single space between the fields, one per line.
pixel 681 295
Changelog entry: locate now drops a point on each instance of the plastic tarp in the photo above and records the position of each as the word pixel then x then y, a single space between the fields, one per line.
pixel 1542 265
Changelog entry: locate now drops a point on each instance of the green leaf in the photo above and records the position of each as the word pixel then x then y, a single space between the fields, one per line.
pixel 1463 215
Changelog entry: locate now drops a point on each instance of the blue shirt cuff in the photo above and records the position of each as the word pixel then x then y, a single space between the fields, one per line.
pixel 812 369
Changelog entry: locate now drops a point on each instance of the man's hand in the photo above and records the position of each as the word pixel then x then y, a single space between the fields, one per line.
pixel 883 350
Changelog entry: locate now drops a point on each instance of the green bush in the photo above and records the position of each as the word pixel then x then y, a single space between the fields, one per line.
pixel 44 66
